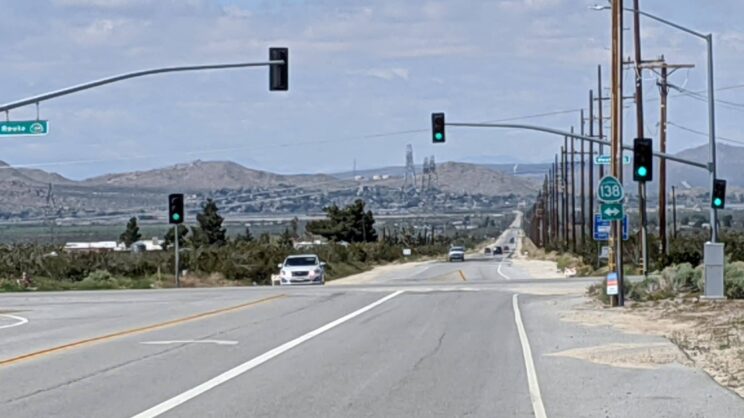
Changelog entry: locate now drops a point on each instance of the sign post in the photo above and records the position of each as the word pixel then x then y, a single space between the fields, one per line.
pixel 612 286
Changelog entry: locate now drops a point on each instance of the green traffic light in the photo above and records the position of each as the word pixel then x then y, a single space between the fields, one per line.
pixel 176 217
pixel 438 136
pixel 717 202
pixel 642 171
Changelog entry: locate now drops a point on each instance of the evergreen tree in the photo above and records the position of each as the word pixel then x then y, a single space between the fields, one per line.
pixel 351 224
pixel 285 239
pixel 131 234
pixel 247 236
pixel 170 237
pixel 210 230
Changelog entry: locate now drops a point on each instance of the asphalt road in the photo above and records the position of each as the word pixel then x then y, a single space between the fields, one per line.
pixel 441 339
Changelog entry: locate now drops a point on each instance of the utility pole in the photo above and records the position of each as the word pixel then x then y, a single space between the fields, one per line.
pixel 573 193
pixel 674 212
pixel 664 70
pixel 600 125
pixel 616 242
pixel 583 196
pixel 556 210
pixel 564 192
pixel 639 131
pixel 591 158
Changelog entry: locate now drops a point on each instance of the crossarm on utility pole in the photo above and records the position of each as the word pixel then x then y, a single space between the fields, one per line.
pixel 566 133
pixel 85 86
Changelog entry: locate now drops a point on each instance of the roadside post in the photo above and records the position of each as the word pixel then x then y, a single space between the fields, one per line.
pixel 611 194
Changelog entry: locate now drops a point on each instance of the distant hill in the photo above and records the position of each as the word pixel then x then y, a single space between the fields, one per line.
pixel 208 175
pixel 477 179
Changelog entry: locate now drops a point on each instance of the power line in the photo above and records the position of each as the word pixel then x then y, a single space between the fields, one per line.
pixel 705 134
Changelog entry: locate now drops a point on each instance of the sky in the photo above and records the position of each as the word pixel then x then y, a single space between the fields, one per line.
pixel 364 78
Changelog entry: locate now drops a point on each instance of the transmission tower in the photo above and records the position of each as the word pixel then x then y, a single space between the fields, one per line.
pixel 410 173
pixel 425 176
pixel 433 172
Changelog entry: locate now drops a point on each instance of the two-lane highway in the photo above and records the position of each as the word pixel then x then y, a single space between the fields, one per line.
pixel 422 341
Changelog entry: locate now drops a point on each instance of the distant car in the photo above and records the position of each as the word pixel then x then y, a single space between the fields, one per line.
pixel 506 248
pixel 511 240
pixel 487 251
pixel 456 254
pixel 302 269
pixel 498 251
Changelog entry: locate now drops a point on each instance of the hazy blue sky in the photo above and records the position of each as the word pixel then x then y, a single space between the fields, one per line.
pixel 358 69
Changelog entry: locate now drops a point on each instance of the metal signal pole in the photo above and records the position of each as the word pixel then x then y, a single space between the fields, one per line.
pixel 616 242
pixel 639 131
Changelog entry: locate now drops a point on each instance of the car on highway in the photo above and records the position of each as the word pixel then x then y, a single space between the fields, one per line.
pixel 302 269
pixel 487 251
pixel 498 251
pixel 456 253
pixel 506 248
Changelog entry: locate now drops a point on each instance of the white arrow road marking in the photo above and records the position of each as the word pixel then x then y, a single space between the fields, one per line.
pixel 171 403
pixel 218 342
pixel 19 321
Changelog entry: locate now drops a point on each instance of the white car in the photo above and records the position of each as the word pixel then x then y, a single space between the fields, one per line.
pixel 456 253
pixel 302 269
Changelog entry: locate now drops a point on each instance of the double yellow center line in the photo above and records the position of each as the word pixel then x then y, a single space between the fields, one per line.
pixel 139 330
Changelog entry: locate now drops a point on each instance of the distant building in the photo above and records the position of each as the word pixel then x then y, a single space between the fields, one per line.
pixel 94 247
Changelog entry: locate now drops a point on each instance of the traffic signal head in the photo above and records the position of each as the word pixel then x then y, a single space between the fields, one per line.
pixel 437 128
pixel 643 159
pixel 719 194
pixel 175 208
pixel 279 73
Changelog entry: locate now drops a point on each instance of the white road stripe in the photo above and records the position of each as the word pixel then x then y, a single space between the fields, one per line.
pixel 218 342
pixel 21 320
pixel 498 270
pixel 535 396
pixel 255 362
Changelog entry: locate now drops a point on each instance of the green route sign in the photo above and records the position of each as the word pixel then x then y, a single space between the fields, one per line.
pixel 612 211
pixel 24 128
pixel 610 190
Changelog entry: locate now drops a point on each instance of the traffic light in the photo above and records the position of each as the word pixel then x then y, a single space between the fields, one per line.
pixel 279 73
pixel 719 194
pixel 437 128
pixel 175 208
pixel 643 160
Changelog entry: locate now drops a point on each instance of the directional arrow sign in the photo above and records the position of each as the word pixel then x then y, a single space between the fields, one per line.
pixel 610 190
pixel 24 128
pixel 612 211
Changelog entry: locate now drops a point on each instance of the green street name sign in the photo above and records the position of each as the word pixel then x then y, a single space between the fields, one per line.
pixel 612 211
pixel 24 128
pixel 605 159
pixel 610 190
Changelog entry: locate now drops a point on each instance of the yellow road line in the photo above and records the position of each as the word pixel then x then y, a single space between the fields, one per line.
pixel 138 330
pixel 462 276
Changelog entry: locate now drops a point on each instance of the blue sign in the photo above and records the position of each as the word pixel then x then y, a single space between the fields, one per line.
pixel 602 228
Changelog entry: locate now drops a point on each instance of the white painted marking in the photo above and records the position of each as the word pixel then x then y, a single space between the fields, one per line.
pixel 218 342
pixel 535 396
pixel 498 270
pixel 20 321
pixel 171 403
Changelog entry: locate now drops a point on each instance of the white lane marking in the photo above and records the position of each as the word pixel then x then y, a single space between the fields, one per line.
pixel 535 396
pixel 21 320
pixel 171 403
pixel 218 342
pixel 498 270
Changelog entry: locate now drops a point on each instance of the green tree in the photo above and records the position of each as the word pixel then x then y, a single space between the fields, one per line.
pixel 132 233
pixel 264 238
pixel 210 230
pixel 247 236
pixel 170 237
pixel 351 224
pixel 285 239
pixel 727 220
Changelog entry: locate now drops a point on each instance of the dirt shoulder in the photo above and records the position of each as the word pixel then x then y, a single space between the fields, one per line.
pixel 709 333
pixel 378 272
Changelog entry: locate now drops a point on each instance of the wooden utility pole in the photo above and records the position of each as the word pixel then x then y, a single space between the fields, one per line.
pixel 616 242
pixel 573 193
pixel 664 72
pixel 600 124
pixel 591 160
pixel 564 190
pixel 582 175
